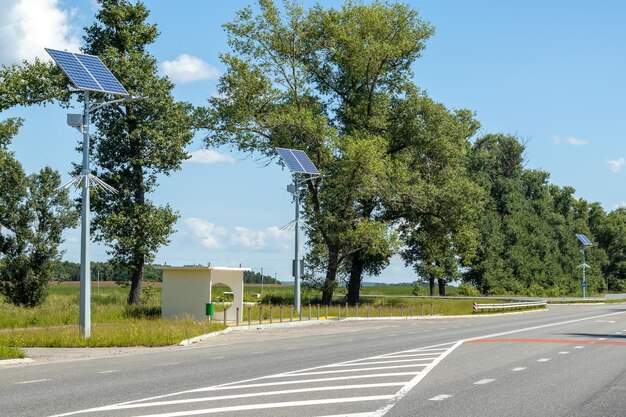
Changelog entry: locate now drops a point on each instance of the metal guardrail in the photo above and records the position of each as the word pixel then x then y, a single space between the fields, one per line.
pixel 507 306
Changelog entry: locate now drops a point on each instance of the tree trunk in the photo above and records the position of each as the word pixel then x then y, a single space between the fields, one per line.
pixel 331 276
pixel 442 286
pixel 139 200
pixel 356 275
pixel 134 298
pixel 431 285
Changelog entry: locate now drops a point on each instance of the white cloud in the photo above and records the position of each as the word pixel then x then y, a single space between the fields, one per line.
pixel 187 68
pixel 616 165
pixel 208 156
pixel 27 26
pixel 568 140
pixel 621 204
pixel 208 234
pixel 259 239
pixel 240 237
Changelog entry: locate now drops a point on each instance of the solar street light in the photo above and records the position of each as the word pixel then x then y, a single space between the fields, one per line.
pixel 88 74
pixel 299 164
pixel 586 243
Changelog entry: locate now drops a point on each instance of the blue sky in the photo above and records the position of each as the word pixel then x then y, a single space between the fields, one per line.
pixel 552 73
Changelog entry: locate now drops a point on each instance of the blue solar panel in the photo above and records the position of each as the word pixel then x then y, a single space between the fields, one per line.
pixel 87 72
pixel 306 162
pixel 583 239
pixel 102 74
pixel 297 161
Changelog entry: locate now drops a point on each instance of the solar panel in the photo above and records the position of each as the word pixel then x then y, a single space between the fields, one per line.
pixel 297 161
pixel 583 239
pixel 306 162
pixel 87 72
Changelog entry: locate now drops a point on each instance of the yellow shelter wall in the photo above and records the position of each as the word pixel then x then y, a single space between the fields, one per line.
pixel 186 292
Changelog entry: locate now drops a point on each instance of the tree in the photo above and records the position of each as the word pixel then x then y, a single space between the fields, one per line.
pixel 135 142
pixel 432 198
pixel 322 81
pixel 527 231
pixel 611 236
pixel 36 213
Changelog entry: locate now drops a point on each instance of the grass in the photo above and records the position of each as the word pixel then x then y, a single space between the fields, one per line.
pixel 9 352
pixel 124 334
pixel 114 323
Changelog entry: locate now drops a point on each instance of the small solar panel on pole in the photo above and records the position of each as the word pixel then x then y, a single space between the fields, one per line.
pixel 298 163
pixel 88 74
pixel 586 243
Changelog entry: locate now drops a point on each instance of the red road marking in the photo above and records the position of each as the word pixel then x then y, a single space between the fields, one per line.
pixel 562 341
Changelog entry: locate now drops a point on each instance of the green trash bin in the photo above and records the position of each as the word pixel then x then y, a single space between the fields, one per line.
pixel 210 309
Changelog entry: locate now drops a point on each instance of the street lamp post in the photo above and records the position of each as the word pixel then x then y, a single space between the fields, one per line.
pixel 86 179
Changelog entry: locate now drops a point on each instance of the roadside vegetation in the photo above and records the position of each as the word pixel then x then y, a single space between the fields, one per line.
pixel 115 323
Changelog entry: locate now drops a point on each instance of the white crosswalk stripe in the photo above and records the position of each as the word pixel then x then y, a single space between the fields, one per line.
pixel 371 385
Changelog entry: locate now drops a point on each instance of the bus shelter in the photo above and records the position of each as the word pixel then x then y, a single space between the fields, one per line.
pixel 188 289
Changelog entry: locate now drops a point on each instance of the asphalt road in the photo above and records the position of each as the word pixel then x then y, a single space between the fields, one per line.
pixel 567 361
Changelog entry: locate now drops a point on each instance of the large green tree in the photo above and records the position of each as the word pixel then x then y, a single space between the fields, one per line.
pixel 323 81
pixel 432 198
pixel 528 229
pixel 134 142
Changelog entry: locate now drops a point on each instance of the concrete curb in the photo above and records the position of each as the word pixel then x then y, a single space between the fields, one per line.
pixel 15 361
pixel 200 338
pixel 262 326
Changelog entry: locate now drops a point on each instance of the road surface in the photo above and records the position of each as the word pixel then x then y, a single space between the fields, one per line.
pixel 567 361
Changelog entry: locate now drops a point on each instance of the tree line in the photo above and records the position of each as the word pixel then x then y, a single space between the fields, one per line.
pixel 402 174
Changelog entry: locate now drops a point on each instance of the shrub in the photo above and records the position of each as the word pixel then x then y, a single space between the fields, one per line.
pixel 468 290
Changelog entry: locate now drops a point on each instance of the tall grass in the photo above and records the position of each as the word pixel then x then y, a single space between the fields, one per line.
pixel 8 352
pixel 124 334
pixel 114 323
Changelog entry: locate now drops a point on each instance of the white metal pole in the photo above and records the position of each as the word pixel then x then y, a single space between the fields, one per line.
pixel 85 270
pixel 296 296
pixel 584 275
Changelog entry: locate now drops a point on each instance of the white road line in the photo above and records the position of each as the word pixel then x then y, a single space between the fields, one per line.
pixel 411 355
pixel 579 347
pixel 271 405
pixel 350 415
pixel 484 381
pixel 564 353
pixel 543 360
pixel 169 363
pixel 381 362
pixel 543 326
pixel 519 369
pixel 605 321
pixel 248 395
pixel 408 387
pixel 440 397
pixel 301 381
pixel 376 368
pixel 32 382
pixel 108 372
pixel 433 350
pixel 602 338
